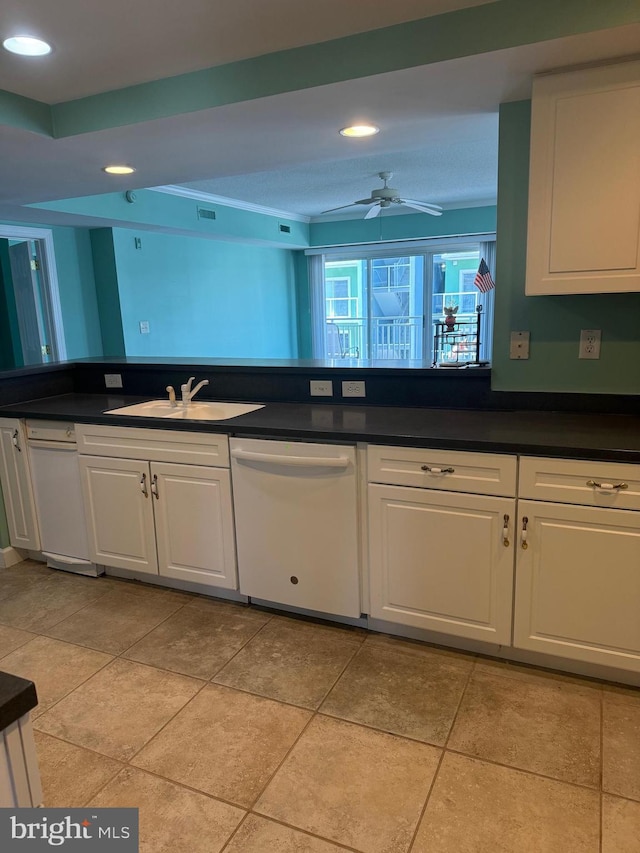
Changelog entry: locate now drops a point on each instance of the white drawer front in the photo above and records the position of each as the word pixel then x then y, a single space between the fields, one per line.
pixel 155 445
pixel 455 471
pixel 605 484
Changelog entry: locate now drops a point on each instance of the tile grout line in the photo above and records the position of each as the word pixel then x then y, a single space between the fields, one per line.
pixel 443 752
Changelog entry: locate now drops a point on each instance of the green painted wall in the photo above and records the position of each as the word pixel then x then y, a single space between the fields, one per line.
pixel 205 298
pixel 77 287
pixel 107 294
pixel 10 350
pixel 176 214
pixel 77 290
pixel 470 220
pixel 554 322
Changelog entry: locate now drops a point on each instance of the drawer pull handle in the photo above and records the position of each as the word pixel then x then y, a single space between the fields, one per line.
pixel 143 485
pixel 505 531
pixel 154 487
pixel 437 470
pixel 524 535
pixel 14 439
pixel 607 487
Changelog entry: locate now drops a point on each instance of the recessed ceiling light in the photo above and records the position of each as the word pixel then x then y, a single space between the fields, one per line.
pixel 358 130
pixel 118 170
pixel 26 46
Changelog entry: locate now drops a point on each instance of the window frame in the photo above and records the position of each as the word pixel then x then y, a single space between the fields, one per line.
pixel 427 249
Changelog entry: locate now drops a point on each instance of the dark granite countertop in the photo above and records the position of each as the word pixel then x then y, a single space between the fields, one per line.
pixel 17 696
pixel 563 434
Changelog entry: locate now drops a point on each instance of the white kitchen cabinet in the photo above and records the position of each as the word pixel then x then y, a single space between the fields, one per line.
pixel 442 560
pixel 160 517
pixel 578 564
pixel 119 513
pixel 584 187
pixel 16 485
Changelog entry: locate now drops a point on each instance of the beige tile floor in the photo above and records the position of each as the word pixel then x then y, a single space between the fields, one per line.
pixel 236 730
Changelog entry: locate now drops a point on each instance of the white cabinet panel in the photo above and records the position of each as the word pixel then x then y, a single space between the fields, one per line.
pixel 16 485
pixel 450 470
pixel 119 513
pixel 438 561
pixel 584 182
pixel 194 524
pixel 578 584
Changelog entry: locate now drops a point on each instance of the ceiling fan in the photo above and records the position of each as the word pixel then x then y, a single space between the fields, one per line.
pixel 386 196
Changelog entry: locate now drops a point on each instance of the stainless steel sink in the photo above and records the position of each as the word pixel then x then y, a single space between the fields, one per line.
pixel 201 411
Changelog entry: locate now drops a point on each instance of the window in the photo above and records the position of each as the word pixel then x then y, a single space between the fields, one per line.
pixel 379 306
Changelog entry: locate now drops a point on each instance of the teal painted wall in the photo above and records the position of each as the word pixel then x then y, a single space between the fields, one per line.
pixel 107 294
pixel 10 350
pixel 77 287
pixel 205 298
pixel 77 290
pixel 554 322
pixel 176 214
pixel 470 220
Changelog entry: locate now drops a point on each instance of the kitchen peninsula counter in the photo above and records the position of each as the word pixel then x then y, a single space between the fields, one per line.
pixel 592 435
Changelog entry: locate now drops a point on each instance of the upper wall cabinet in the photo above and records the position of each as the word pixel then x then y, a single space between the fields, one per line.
pixel 584 182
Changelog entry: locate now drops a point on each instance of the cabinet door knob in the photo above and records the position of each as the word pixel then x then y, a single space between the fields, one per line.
pixel 524 535
pixel 437 470
pixel 14 439
pixel 607 487
pixel 143 485
pixel 154 487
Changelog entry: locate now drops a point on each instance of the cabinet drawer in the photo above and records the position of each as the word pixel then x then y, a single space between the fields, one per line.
pixel 455 471
pixel 155 445
pixel 575 481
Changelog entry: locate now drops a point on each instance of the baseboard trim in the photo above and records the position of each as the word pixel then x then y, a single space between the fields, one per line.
pixel 9 557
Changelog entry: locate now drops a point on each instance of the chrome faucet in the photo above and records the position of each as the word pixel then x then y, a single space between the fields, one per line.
pixel 188 393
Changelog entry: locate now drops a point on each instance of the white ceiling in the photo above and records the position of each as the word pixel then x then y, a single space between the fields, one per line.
pixel 438 122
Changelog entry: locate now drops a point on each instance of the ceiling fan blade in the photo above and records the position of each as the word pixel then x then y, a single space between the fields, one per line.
pixel 423 203
pixel 366 201
pixel 331 209
pixel 421 208
pixel 375 210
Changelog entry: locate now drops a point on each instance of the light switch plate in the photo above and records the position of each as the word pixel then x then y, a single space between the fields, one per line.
pixel 519 345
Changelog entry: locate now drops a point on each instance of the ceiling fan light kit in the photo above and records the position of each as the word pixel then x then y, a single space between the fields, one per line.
pixel 385 196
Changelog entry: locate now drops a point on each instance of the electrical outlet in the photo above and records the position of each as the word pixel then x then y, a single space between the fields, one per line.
pixel 113 380
pixel 321 388
pixel 519 345
pixel 353 389
pixel 144 327
pixel 589 343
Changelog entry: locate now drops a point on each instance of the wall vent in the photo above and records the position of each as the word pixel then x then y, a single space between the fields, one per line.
pixel 204 213
pixel 286 229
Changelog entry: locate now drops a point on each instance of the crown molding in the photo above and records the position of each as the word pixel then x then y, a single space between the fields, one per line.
pixel 209 198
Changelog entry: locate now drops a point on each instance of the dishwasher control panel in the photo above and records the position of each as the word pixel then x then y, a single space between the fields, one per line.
pixel 51 431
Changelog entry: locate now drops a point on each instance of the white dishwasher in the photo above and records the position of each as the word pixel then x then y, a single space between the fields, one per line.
pixel 55 474
pixel 296 509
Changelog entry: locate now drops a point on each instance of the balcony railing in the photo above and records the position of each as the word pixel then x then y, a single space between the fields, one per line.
pixel 395 338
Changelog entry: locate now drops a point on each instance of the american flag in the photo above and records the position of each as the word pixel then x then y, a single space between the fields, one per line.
pixel 483 280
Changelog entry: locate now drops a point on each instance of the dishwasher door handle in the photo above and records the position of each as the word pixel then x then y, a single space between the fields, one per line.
pixel 281 459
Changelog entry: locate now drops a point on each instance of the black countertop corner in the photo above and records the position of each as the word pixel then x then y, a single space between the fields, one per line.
pixel 17 697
